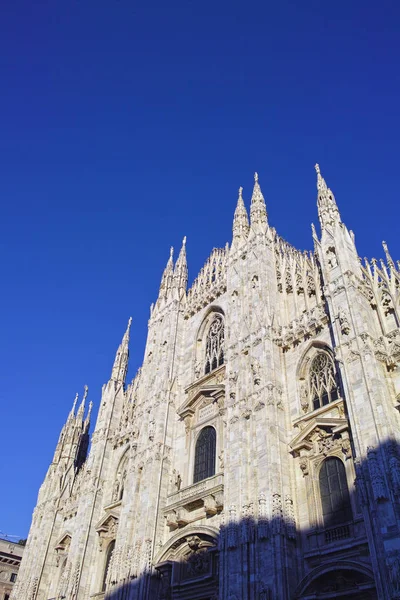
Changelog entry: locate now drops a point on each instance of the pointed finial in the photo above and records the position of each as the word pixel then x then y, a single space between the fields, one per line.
pixel 258 210
pixel 389 259
pixel 313 230
pixel 171 252
pixel 85 392
pixel 317 169
pixel 75 402
pixel 240 192
pixel 184 241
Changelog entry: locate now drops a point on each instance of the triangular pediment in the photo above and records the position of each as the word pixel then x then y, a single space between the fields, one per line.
pixel 196 396
pixel 109 520
pixel 304 438
pixel 64 541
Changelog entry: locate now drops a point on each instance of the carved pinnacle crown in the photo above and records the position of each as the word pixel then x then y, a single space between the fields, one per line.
pixel 256 176
pixel 317 169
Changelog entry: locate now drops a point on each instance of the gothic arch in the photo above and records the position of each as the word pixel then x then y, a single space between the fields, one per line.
pixel 305 585
pixel 308 354
pixel 317 377
pixel 201 339
pixel 171 548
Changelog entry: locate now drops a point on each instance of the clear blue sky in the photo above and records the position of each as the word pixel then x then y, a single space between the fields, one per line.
pixel 125 126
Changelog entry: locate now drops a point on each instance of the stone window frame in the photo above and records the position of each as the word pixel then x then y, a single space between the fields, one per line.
pixel 320 467
pixel 200 346
pixel 107 561
pixel 316 517
pixel 195 430
pixel 197 437
pixel 304 373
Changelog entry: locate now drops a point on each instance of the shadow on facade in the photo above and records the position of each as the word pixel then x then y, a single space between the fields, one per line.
pixel 353 551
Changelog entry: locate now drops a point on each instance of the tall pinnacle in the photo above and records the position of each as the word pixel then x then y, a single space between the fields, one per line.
pixel 240 227
pixel 81 409
pixel 328 211
pixel 181 271
pixel 258 209
pixel 120 367
pixel 389 259
pixel 167 275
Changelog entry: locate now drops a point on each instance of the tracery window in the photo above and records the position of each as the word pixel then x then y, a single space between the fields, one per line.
pixel 204 458
pixel 334 492
pixel 215 345
pixel 322 380
pixel 110 550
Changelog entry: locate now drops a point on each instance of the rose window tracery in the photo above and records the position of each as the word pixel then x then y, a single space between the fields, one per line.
pixel 215 345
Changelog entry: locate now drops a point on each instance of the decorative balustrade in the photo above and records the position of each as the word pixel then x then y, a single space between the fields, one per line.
pixel 197 490
pixel 340 532
pixel 194 502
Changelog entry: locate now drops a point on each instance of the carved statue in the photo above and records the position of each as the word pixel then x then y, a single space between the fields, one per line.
pixel 221 460
pixel 305 405
pixel 344 322
pixel 178 481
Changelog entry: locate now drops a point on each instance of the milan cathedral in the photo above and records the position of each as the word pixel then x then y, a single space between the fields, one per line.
pixel 255 455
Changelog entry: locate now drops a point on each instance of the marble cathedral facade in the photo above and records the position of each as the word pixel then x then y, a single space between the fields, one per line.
pixel 255 455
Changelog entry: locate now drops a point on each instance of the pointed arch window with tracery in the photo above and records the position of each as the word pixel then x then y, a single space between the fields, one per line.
pixel 323 387
pixel 215 344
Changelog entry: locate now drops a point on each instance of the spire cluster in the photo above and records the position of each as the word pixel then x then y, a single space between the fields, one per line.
pixel 258 215
pixel 174 279
pixel 74 431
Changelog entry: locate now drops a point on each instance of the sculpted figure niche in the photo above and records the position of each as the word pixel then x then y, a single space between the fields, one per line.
pixel 215 344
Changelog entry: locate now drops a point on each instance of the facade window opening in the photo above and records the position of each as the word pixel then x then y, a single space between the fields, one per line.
pixel 322 381
pixel 335 499
pixel 204 459
pixel 110 550
pixel 215 345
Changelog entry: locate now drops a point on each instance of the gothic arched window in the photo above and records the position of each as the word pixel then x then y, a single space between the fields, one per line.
pixel 322 380
pixel 215 345
pixel 335 499
pixel 109 553
pixel 204 458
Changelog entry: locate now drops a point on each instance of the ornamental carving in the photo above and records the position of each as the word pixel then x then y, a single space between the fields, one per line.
pixel 343 318
pixel 376 476
pixel 387 349
pixel 107 529
pixel 393 564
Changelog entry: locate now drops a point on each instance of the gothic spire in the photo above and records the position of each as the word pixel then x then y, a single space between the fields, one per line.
pixel 167 275
pixel 240 227
pixel 120 367
pixel 258 209
pixel 328 211
pixel 81 409
pixel 181 271
pixel 71 415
